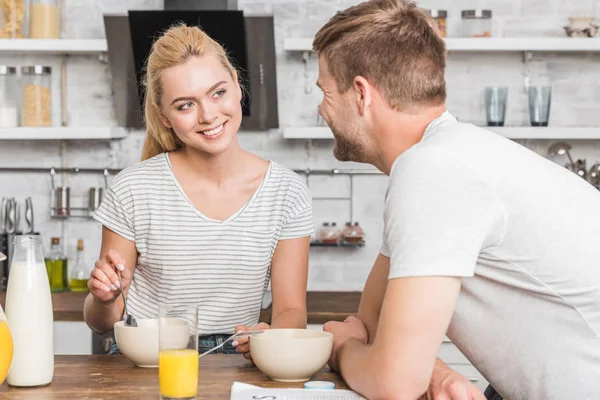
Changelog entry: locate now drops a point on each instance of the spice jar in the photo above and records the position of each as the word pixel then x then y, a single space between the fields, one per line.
pixel 9 109
pixel 440 17
pixel 37 103
pixel 44 19
pixel 14 15
pixel 477 23
pixel 353 234
pixel 329 234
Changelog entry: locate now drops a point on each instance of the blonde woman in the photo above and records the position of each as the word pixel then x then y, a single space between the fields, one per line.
pixel 201 220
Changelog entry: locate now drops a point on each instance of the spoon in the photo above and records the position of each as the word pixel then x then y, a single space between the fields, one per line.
pixel 234 336
pixel 128 318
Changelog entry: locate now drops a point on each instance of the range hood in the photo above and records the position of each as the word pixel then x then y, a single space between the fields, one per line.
pixel 248 40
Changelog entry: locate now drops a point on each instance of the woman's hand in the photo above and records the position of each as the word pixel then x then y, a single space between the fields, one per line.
pixel 242 344
pixel 104 282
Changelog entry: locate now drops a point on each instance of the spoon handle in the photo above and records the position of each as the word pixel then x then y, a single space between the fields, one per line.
pixel 122 293
pixel 234 336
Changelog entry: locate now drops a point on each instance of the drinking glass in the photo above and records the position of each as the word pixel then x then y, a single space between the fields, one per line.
pixel 540 98
pixel 495 105
pixel 178 351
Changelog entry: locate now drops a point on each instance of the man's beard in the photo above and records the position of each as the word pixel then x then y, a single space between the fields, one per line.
pixel 347 144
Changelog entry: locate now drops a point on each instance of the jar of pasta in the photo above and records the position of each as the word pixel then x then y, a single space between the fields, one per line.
pixel 14 16
pixel 37 102
pixel 44 19
pixel 440 17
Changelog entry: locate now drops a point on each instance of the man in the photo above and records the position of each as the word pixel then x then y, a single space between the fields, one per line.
pixel 484 240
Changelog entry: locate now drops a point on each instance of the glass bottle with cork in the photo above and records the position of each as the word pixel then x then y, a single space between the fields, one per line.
pixel 80 272
pixel 56 267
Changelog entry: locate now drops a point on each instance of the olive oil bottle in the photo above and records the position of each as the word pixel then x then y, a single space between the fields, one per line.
pixel 80 273
pixel 56 267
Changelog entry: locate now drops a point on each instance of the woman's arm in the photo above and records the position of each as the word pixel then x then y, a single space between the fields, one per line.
pixel 289 275
pixel 104 305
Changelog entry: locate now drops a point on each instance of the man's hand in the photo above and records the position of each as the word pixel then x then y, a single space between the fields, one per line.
pixel 447 384
pixel 351 328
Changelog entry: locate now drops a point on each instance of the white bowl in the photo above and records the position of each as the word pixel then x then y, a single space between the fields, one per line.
pixel 291 355
pixel 140 344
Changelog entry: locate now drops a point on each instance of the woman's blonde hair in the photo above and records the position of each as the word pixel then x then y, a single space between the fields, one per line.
pixel 173 48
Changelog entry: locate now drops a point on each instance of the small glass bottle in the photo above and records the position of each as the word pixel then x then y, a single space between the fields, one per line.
pixel 9 103
pixel 44 19
pixel 37 100
pixel 354 234
pixel 80 272
pixel 56 267
pixel 14 16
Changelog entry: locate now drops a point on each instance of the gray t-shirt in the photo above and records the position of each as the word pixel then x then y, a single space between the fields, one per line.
pixel 524 235
pixel 186 257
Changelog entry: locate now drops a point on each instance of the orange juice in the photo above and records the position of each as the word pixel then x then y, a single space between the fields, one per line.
pixel 178 373
pixel 6 350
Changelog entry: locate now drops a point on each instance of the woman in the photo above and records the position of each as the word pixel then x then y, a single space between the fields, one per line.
pixel 200 220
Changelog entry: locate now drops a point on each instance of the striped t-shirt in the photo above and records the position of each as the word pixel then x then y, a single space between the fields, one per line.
pixel 186 257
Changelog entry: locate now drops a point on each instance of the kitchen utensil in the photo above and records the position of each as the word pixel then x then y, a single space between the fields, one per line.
pixel 581 168
pixel 10 216
pixel 62 205
pixel 94 198
pixel 593 176
pixel 560 148
pixel 234 336
pixel 29 215
pixel 128 318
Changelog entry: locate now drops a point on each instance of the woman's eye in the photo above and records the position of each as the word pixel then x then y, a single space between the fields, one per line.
pixel 219 93
pixel 185 106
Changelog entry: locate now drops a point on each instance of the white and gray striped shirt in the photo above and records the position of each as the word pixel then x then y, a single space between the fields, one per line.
pixel 186 257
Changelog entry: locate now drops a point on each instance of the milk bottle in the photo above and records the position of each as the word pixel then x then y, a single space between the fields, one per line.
pixel 29 315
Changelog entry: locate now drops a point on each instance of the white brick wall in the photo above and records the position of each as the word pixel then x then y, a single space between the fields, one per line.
pixel 576 100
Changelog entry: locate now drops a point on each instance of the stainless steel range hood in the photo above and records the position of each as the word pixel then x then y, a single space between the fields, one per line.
pixel 260 74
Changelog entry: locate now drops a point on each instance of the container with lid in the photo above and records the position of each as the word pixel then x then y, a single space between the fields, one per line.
pixel 9 103
pixel 329 234
pixel 37 102
pixel 477 23
pixel 440 17
pixel 353 233
pixel 44 19
pixel 14 16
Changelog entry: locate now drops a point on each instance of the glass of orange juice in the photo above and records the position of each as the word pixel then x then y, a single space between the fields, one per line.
pixel 178 351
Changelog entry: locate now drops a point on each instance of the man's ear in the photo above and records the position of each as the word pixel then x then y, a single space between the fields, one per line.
pixel 362 94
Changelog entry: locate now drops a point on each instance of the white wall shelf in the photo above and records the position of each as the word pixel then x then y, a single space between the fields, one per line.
pixel 525 132
pixel 53 46
pixel 59 133
pixel 561 44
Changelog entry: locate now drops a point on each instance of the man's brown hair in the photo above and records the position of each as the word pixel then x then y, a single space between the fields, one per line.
pixel 391 43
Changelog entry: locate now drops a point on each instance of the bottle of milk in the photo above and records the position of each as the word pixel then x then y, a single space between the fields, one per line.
pixel 29 315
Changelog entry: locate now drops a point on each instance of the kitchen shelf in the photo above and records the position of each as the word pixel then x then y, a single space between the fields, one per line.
pixel 62 133
pixel 559 44
pixel 339 244
pixel 510 132
pixel 53 46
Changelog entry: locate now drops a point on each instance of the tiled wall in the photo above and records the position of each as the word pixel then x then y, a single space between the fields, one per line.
pixel 574 77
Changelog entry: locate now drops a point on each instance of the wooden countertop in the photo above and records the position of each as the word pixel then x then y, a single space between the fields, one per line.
pixel 321 306
pixel 114 377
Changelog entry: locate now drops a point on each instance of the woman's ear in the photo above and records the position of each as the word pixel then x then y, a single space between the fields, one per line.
pixel 163 119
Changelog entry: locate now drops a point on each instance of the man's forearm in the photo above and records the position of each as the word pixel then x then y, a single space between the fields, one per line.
pixel 363 371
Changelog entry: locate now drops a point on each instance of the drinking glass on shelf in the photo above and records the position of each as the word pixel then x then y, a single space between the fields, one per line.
pixel 540 98
pixel 495 105
pixel 178 351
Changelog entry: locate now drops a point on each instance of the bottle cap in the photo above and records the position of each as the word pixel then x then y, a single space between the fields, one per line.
pixel 321 385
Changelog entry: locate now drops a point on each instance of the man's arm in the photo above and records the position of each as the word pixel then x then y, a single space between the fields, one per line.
pixel 415 315
pixel 372 296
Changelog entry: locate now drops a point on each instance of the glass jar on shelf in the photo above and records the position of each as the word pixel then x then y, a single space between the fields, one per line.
pixel 37 102
pixel 353 234
pixel 80 272
pixel 477 23
pixel 9 104
pixel 328 234
pixel 44 19
pixel 440 17
pixel 14 16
